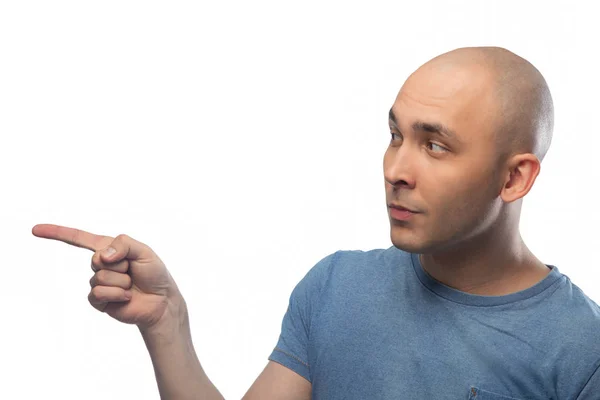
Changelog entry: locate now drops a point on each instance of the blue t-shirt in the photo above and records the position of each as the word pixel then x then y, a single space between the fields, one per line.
pixel 375 325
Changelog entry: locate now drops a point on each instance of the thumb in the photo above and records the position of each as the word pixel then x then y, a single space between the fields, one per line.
pixel 108 254
pixel 123 247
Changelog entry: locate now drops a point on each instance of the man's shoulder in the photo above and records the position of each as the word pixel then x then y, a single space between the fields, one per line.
pixel 572 319
pixel 356 268
pixel 574 304
pixel 363 262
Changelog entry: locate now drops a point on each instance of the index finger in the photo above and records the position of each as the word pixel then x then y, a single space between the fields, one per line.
pixel 72 236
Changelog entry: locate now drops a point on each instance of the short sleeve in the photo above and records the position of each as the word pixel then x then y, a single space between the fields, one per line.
pixel 591 390
pixel 291 350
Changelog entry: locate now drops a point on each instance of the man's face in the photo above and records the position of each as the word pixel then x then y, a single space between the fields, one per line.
pixel 442 161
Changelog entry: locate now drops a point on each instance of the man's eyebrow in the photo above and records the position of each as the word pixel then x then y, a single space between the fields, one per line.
pixel 430 127
pixel 392 117
pixel 434 128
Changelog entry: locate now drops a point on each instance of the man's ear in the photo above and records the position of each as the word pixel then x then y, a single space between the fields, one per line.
pixel 522 171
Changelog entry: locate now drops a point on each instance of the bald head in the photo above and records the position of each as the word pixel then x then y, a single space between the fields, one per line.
pixel 523 109
pixel 468 130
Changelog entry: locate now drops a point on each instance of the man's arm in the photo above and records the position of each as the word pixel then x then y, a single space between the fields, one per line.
pixel 180 376
pixel 277 382
pixel 133 286
pixel 178 372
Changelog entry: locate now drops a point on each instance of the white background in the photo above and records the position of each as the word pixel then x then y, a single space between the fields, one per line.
pixel 243 141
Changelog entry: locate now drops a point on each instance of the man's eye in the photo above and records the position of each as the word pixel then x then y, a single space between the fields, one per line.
pixel 439 149
pixel 394 134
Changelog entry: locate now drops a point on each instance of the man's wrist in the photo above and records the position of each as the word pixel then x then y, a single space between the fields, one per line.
pixel 173 323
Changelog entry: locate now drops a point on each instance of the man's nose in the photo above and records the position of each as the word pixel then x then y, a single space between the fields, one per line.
pixel 399 167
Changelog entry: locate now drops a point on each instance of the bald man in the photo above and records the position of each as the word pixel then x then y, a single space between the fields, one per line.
pixel 457 308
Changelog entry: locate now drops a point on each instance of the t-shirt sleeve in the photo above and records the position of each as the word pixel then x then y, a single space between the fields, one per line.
pixel 591 390
pixel 291 350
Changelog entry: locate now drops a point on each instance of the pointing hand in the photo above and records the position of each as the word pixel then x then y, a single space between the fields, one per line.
pixel 131 285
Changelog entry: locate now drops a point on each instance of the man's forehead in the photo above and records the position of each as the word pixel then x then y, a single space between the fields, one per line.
pixel 451 97
pixel 431 84
pixel 463 118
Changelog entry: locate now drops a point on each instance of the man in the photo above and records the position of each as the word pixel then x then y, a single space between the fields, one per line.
pixel 458 308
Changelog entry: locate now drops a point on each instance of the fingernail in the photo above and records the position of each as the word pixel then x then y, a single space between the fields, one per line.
pixel 109 251
pixel 128 294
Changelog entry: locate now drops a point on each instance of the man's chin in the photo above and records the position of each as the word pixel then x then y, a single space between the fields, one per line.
pixel 408 244
pixel 411 243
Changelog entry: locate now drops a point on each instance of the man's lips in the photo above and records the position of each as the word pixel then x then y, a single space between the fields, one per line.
pixel 401 213
pixel 401 208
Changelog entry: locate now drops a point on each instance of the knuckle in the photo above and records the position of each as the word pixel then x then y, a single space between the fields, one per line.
pixel 98 305
pixel 96 278
pixel 97 294
pixel 92 298
pixel 96 262
pixel 101 276
pixel 122 236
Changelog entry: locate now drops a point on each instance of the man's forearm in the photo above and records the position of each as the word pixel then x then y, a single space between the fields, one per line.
pixel 178 372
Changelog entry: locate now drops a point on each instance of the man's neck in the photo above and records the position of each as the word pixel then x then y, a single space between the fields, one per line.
pixel 488 266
